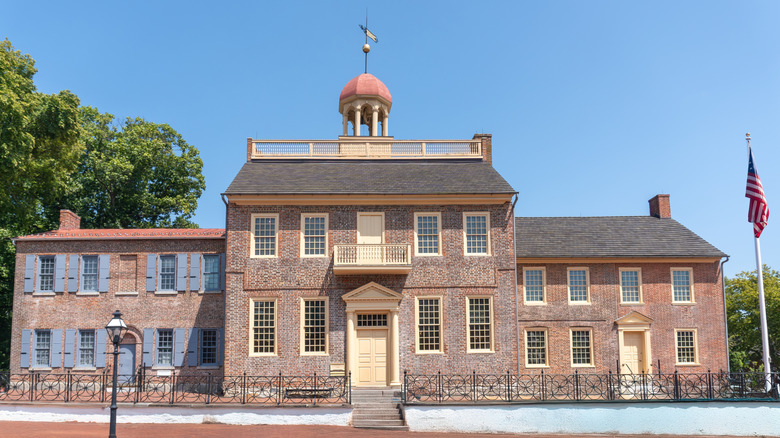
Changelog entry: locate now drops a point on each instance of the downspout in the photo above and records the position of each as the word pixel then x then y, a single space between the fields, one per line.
pixel 725 315
pixel 224 295
pixel 514 281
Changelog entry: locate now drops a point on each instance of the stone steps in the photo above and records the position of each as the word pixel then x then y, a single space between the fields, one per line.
pixel 377 408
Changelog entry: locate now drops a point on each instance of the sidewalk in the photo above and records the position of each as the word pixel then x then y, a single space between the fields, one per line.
pixel 89 430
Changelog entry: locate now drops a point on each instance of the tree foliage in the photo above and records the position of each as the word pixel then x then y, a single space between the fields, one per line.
pixel 742 308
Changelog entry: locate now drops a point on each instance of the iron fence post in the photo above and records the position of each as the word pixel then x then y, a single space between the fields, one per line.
pixel 439 387
pixel 644 386
pixel 576 385
pixel 103 386
pixel 710 393
pixel 279 392
pixel 610 388
pixel 243 389
pixel 32 387
pixel 474 385
pixel 314 395
pixel 173 385
pixel 742 385
pixel 349 387
pixel 67 386
pixel 208 388
pixel 676 386
pixel 508 387
pixel 544 390
pixel 403 391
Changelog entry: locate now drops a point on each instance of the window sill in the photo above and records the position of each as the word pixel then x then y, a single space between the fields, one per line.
pixel 84 368
pixel 683 303
pixel 163 367
pixel 580 303
pixel 207 292
pixel 536 367
pixel 39 368
pixel 687 364
pixel 208 367
pixel 44 294
pixel 313 256
pixel 583 366
pixel 263 355
pixel 88 294
pixel 477 255
pixel 166 292
pixel 315 353
pixel 127 294
pixel 429 352
pixel 427 255
pixel 480 352
pixel 633 304
pixel 535 303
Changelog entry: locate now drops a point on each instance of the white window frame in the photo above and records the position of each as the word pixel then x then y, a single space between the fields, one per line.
pixel 82 288
pixel 417 349
pixel 546 332
pixel 160 289
pixel 220 270
pixel 79 347
pixel 587 286
pixel 34 359
pixel 303 233
pixel 201 348
pixel 275 351
pixel 438 233
pixel 695 347
pixel 157 362
pixel 253 217
pixel 487 230
pixel 639 285
pixel 326 303
pixel 690 285
pixel 544 286
pixel 491 323
pixel 39 274
pixel 591 347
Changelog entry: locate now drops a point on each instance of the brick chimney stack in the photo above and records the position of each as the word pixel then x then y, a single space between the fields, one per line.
pixel 659 207
pixel 487 146
pixel 69 220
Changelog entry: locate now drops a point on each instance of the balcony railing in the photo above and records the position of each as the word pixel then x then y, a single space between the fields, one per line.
pixel 365 147
pixel 374 259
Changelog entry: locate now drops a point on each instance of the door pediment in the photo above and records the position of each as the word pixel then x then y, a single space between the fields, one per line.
pixel 372 296
pixel 634 320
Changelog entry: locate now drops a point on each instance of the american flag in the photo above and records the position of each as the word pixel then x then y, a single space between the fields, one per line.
pixel 758 212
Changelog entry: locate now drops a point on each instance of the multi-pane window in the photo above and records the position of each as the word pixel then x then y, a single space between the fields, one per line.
pixel 536 347
pixel 315 230
pixel 681 286
pixel 372 320
pixel 211 272
pixel 476 229
pixel 42 347
pixel 581 348
pixel 533 281
pixel 315 335
pixel 479 324
pixel 263 327
pixel 264 235
pixel 629 286
pixel 428 324
pixel 89 273
pixel 86 348
pixel 427 226
pixel 168 272
pixel 578 285
pixel 46 274
pixel 165 347
pixel 686 346
pixel 208 347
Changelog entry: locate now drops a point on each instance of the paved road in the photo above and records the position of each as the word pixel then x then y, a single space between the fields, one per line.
pixel 89 430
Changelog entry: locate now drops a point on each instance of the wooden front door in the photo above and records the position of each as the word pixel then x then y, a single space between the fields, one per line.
pixel 372 357
pixel 633 352
pixel 126 363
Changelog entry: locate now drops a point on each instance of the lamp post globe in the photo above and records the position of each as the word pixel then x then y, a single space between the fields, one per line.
pixel 116 329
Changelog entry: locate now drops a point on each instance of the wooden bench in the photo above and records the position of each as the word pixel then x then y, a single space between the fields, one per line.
pixel 307 392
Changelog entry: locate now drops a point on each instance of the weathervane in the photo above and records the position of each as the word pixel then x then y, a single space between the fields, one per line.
pixel 369 34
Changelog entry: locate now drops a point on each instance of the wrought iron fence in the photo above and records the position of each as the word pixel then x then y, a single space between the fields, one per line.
pixel 541 387
pixel 175 389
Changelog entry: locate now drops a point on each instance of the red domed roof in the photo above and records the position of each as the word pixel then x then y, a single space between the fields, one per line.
pixel 365 84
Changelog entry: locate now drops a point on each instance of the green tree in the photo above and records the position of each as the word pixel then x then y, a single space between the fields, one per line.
pixel 744 319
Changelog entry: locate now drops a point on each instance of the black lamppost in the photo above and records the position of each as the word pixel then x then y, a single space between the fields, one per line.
pixel 116 329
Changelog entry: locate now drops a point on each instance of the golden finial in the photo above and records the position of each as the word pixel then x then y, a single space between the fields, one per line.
pixel 366 48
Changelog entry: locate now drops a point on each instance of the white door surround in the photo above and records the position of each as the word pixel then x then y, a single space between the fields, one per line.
pixel 634 322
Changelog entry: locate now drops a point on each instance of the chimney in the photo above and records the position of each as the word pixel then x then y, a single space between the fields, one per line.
pixel 69 220
pixel 487 146
pixel 659 207
pixel 249 149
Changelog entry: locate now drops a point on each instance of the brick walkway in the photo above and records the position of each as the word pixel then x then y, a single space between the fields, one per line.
pixel 89 430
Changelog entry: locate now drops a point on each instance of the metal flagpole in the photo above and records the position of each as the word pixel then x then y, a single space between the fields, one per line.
pixel 762 305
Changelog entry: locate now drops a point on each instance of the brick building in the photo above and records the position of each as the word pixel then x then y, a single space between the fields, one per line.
pixel 372 255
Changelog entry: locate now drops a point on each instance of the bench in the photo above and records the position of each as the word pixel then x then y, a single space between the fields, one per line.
pixel 307 392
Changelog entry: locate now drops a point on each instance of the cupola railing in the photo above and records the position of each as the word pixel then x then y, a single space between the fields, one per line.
pixel 363 148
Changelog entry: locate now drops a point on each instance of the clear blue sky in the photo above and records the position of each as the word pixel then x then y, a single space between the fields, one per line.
pixel 594 106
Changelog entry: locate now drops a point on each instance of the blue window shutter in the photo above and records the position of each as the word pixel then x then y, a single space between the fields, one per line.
pixel 151 276
pixel 70 347
pixel 178 346
pixel 73 273
pixel 181 272
pixel 104 263
pixel 25 351
pixel 59 273
pixel 222 272
pixel 220 346
pixel 148 350
pixel 192 347
pixel 38 276
pixel 194 271
pixel 101 336
pixel 56 347
pixel 29 273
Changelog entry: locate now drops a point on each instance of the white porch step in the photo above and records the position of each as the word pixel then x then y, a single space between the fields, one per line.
pixel 377 408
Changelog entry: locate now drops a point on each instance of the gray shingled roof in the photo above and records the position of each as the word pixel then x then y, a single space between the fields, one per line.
pixel 617 236
pixel 410 177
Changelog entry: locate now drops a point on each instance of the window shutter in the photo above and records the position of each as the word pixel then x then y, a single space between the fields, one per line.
pixel 192 347
pixel 194 271
pixel 70 345
pixel 222 272
pixel 73 273
pixel 181 272
pixel 100 348
pixel 59 273
pixel 178 347
pixel 29 272
pixel 104 263
pixel 151 272
pixel 56 347
pixel 148 350
pixel 220 346
pixel 25 353
pixel 38 276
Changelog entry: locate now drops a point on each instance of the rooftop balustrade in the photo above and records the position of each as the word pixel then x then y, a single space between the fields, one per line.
pixel 366 148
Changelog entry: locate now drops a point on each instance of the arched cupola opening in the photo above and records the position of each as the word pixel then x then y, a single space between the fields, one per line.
pixel 365 100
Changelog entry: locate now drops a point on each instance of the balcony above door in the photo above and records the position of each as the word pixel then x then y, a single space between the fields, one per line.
pixel 362 259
